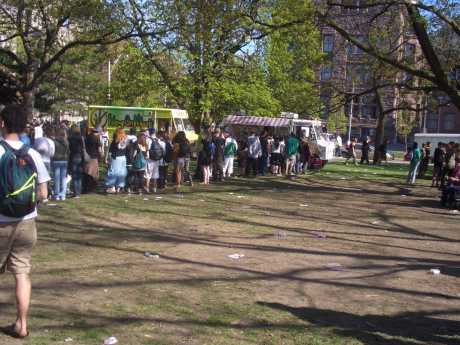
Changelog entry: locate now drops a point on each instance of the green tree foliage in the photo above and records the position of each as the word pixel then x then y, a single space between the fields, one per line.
pixel 337 121
pixel 136 82
pixel 244 88
pixel 292 55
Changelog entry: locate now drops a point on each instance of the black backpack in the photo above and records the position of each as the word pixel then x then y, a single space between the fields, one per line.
pixel 18 182
pixel 156 152
pixel 169 153
pixel 184 150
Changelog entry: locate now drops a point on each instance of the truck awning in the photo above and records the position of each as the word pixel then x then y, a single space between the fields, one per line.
pixel 256 121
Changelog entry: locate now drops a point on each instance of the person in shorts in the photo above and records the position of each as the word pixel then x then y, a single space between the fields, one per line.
pixel 292 148
pixel 154 160
pixel 18 234
pixel 181 152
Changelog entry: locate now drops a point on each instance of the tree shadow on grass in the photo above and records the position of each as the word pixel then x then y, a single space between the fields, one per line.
pixel 400 329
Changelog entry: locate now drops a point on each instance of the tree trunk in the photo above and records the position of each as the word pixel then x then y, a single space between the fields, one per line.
pixel 380 130
pixel 28 103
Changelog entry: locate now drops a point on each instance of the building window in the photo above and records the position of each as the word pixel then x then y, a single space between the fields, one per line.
pixel 328 43
pixel 353 6
pixel 326 73
pixel 448 122
pixel 354 50
pixel 358 73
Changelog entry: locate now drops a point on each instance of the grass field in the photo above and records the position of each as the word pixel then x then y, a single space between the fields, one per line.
pixel 338 257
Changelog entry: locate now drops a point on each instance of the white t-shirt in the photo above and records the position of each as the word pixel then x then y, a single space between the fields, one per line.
pixel 38 132
pixel 45 147
pixel 42 177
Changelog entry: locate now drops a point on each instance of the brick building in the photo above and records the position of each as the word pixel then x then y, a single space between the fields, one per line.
pixel 348 70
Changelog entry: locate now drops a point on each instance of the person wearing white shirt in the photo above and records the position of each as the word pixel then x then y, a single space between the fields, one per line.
pixel 20 232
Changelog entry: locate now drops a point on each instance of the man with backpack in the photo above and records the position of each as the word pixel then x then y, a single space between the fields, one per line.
pixel 254 152
pixel 156 151
pixel 231 147
pixel 23 181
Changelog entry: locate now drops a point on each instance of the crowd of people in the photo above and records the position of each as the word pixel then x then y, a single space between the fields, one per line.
pixel 145 161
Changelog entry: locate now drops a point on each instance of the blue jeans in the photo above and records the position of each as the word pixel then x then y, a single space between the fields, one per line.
pixel 77 176
pixel 263 160
pixel 60 178
pixel 413 172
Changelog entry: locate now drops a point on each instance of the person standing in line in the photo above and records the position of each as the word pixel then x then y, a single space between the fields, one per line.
pixel 59 164
pixel 304 153
pixel 292 147
pixel 167 159
pixel 276 157
pixel 117 172
pixel 365 151
pixel 230 150
pixel 91 165
pixel 17 225
pixel 140 155
pixel 76 159
pixel 204 158
pixel 156 154
pixel 254 152
pixel 414 164
pixel 439 157
pixel 263 159
pixel 181 150
pixel 218 159
pixel 131 177
pixel 242 158
pixel 45 147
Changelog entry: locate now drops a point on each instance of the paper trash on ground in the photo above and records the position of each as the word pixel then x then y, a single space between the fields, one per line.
pixel 236 256
pixel 110 341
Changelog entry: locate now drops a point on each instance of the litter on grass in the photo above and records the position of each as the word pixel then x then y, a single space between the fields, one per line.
pixel 319 234
pixel 68 340
pixel 151 255
pixel 236 256
pixel 375 222
pixel 334 266
pixel 110 341
pixel 280 234
pixel 146 199
pixel 435 271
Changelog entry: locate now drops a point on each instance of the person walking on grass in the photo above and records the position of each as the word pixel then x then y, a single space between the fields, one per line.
pixel 59 164
pixel 414 164
pixel 352 152
pixel 365 151
pixel 23 180
pixel 292 148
